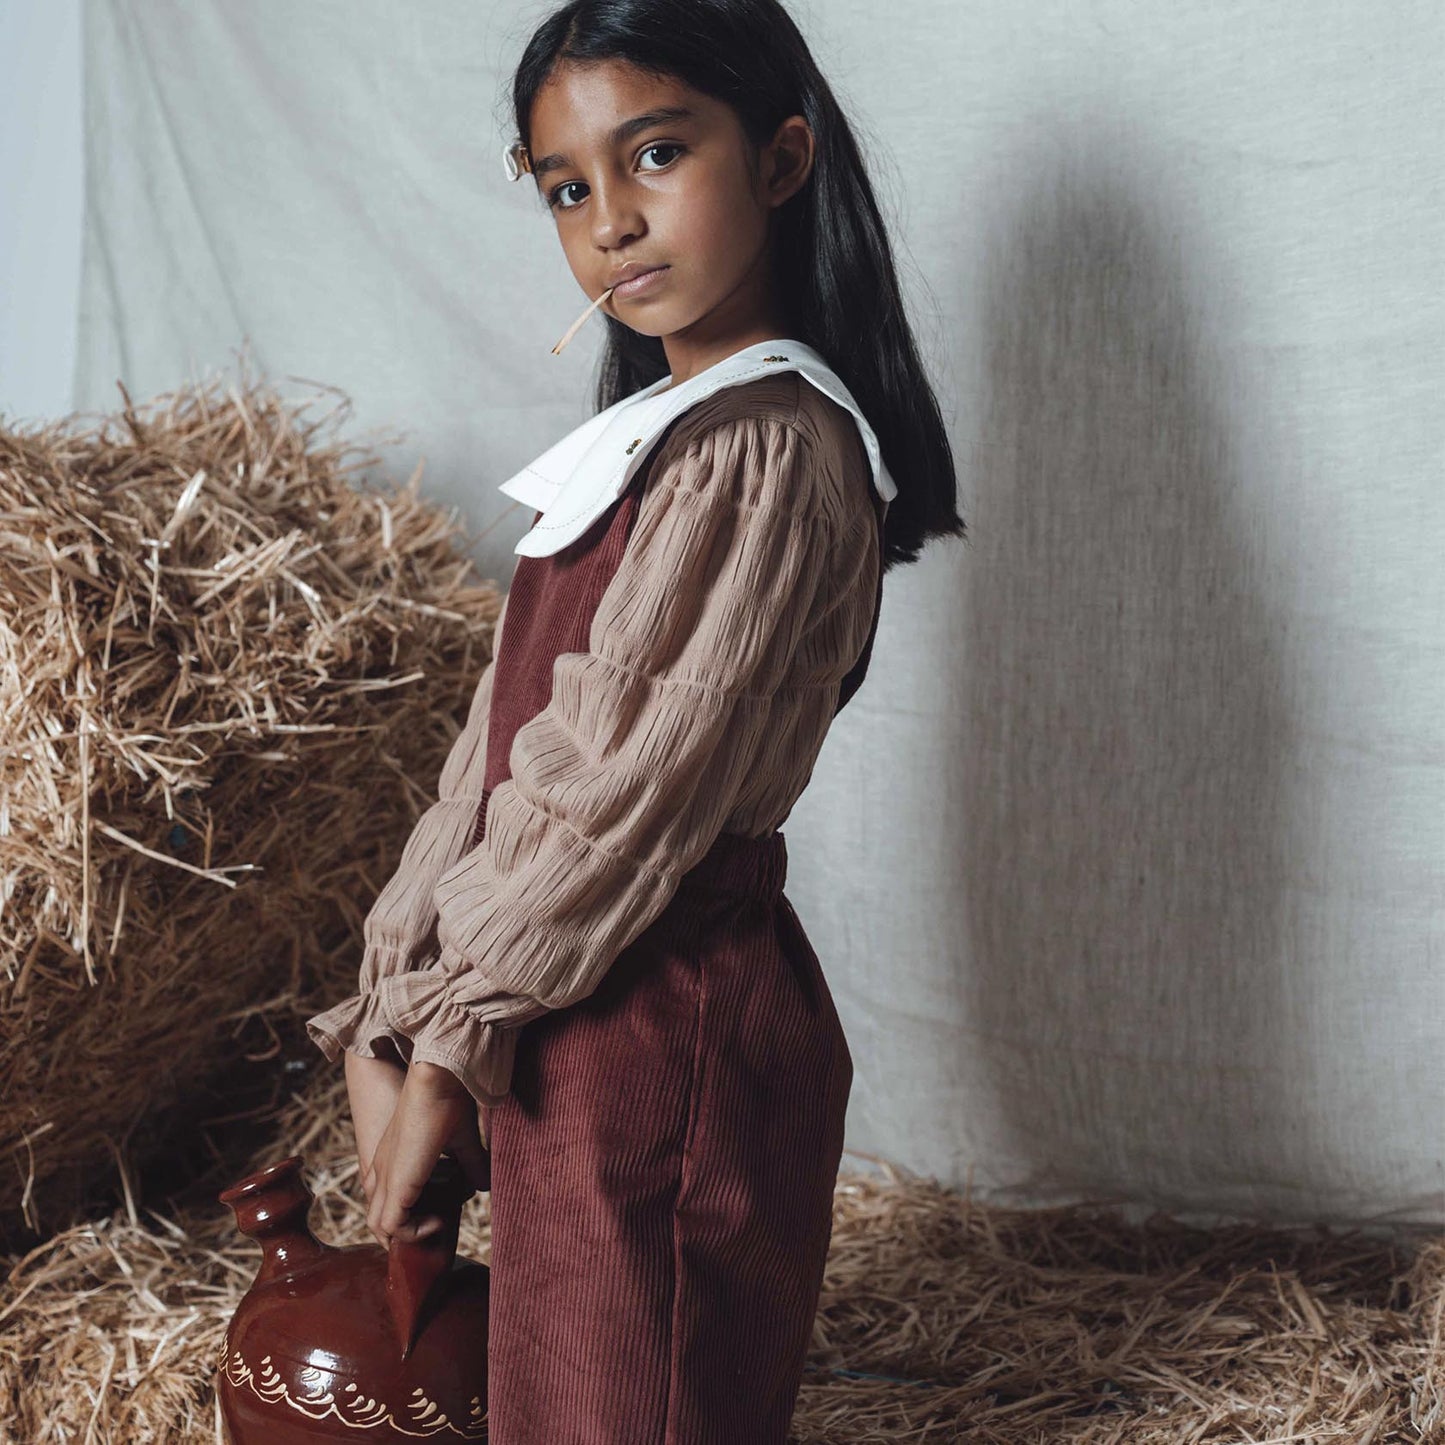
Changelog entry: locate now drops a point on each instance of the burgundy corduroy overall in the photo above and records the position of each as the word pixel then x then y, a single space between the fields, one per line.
pixel 663 1169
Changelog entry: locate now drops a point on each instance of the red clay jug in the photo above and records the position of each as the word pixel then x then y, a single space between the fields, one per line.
pixel 354 1343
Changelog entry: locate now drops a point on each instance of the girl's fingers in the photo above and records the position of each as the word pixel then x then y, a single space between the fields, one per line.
pixel 430 1117
pixel 475 1165
pixel 423 1228
pixel 374 1089
pixel 373 1219
pixel 396 1209
pixel 467 1147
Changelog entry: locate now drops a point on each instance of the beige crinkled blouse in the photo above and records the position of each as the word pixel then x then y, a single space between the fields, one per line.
pixel 716 654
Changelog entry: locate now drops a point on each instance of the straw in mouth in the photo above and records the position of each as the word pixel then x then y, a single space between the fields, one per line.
pixel 574 327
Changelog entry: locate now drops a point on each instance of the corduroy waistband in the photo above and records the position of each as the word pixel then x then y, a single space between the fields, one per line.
pixel 739 865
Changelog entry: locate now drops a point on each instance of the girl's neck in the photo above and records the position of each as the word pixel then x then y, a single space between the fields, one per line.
pixel 702 360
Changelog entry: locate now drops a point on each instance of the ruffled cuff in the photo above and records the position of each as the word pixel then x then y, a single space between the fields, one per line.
pixel 356 1025
pixel 479 1051
pixel 381 960
pixel 415 1013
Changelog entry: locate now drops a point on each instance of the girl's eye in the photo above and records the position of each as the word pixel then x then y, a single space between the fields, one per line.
pixel 661 146
pixel 554 197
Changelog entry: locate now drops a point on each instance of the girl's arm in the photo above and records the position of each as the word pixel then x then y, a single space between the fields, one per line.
pixel 625 779
pixel 400 928
pixel 401 925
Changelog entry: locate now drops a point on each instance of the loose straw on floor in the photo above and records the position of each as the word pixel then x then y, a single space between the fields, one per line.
pixel 942 1319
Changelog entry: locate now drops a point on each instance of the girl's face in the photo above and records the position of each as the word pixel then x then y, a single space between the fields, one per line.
pixel 643 171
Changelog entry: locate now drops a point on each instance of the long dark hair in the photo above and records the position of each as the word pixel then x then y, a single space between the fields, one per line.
pixel 836 269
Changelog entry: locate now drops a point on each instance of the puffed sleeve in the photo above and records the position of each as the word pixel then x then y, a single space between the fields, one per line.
pixel 623 782
pixel 401 926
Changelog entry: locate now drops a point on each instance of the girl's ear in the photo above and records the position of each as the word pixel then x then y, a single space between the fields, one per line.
pixel 788 159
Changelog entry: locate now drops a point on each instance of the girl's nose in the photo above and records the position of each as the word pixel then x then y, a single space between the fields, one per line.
pixel 616 219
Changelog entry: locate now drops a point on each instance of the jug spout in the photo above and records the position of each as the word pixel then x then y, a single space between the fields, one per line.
pixel 416 1270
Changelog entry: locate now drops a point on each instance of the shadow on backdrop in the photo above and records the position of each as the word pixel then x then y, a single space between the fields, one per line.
pixel 1124 828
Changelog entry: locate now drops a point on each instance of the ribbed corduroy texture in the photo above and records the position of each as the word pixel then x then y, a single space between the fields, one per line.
pixel 687 692
pixel 662 1180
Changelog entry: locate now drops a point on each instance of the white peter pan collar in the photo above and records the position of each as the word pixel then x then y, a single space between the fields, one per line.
pixel 573 482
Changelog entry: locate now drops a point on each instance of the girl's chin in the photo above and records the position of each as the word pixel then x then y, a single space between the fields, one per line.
pixel 652 318
pixel 650 324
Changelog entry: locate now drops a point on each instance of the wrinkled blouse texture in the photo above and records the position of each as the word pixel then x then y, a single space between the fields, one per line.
pixel 715 659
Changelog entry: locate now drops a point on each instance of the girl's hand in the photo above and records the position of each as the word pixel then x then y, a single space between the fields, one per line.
pixel 434 1113
pixel 374 1089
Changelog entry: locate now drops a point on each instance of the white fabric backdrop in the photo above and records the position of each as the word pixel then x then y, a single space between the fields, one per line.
pixel 1126 864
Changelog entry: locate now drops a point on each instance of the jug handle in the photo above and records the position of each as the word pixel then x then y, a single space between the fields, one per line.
pixel 415 1269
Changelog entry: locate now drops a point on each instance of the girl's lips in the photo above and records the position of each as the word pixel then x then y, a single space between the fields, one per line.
pixel 638 283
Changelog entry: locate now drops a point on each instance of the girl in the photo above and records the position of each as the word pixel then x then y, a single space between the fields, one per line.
pixel 584 980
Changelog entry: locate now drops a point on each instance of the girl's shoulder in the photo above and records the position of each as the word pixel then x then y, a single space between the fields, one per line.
pixel 776 437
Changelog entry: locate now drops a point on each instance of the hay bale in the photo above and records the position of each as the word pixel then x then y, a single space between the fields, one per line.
pixel 941 1319
pixel 229 675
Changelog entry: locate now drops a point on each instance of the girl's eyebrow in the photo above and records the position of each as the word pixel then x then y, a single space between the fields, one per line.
pixel 557 161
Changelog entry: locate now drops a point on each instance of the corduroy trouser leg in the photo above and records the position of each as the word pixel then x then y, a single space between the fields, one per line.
pixel 662 1179
pixel 663 1167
